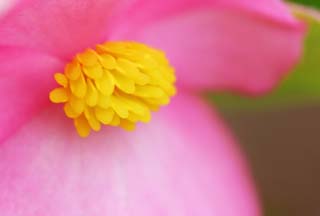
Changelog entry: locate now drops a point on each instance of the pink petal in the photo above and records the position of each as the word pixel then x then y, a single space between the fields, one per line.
pixel 25 80
pixel 57 26
pixel 6 5
pixel 183 163
pixel 237 45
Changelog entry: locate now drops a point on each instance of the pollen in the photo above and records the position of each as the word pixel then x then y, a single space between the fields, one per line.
pixel 116 84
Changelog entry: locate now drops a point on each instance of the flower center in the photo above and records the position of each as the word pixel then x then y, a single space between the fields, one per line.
pixel 117 84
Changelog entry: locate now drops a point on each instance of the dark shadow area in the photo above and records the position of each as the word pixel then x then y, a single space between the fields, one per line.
pixel 283 148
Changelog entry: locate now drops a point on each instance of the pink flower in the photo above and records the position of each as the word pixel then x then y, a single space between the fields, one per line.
pixel 184 162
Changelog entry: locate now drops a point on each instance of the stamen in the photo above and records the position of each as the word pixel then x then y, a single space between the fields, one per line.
pixel 118 84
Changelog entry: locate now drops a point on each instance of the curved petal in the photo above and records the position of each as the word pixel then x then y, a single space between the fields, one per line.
pixel 183 163
pixel 57 26
pixel 237 45
pixel 25 80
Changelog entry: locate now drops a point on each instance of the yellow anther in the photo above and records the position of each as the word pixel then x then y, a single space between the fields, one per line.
pixel 73 70
pixel 61 79
pixel 59 95
pixel 118 84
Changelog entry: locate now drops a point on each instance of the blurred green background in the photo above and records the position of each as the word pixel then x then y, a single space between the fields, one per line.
pixel 314 3
pixel 280 133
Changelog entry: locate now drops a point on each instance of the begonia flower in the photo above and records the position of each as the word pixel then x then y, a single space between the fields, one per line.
pixel 116 61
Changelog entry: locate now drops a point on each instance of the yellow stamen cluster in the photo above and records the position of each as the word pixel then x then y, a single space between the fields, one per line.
pixel 117 84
